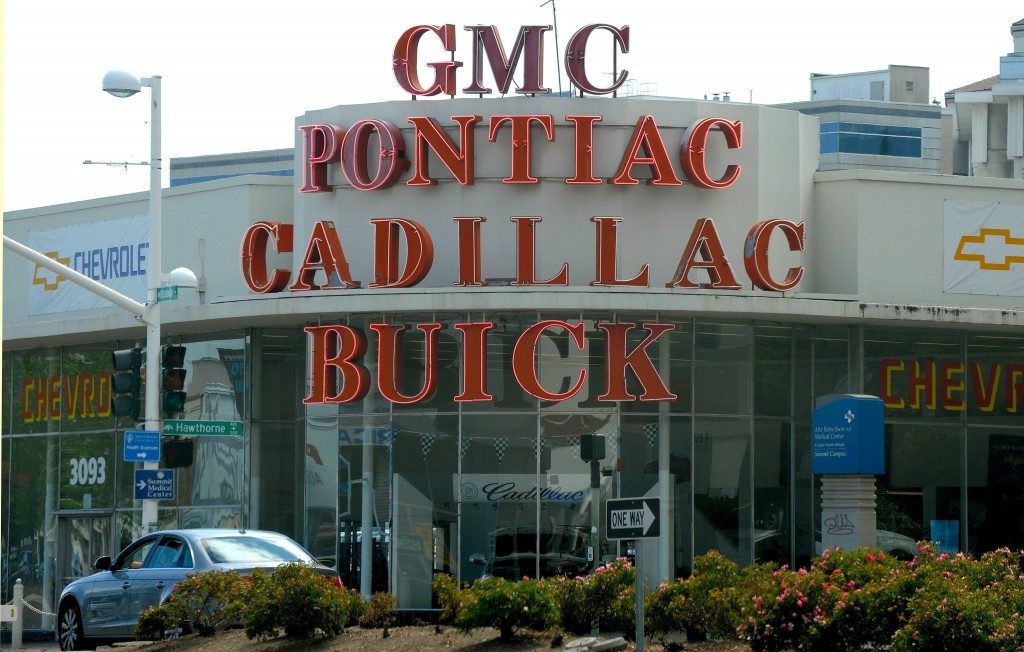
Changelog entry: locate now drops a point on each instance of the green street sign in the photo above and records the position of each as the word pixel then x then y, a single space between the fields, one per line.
pixel 169 293
pixel 203 428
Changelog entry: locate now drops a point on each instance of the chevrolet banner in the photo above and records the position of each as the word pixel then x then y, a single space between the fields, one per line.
pixel 984 248
pixel 112 252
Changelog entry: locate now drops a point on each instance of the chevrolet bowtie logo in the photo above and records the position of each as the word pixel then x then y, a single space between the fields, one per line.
pixel 40 276
pixel 993 249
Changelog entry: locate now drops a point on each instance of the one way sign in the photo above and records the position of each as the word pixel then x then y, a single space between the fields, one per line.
pixel 632 518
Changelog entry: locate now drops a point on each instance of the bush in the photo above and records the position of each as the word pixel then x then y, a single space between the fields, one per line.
pixel 606 599
pixel 965 604
pixel 508 606
pixel 299 600
pixel 446 588
pixel 380 612
pixel 205 601
pixel 708 603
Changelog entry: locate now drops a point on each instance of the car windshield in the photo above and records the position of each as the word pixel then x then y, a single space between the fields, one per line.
pixel 242 549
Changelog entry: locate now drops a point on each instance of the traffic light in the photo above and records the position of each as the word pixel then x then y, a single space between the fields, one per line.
pixel 177 453
pixel 126 382
pixel 172 381
pixel 592 447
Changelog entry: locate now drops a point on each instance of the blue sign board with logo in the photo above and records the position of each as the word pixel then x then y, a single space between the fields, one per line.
pixel 141 446
pixel 847 435
pixel 154 484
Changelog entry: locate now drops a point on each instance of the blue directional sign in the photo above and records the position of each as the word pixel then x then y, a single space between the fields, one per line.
pixel 847 433
pixel 141 446
pixel 154 484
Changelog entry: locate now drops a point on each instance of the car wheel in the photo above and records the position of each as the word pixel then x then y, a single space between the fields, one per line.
pixel 69 629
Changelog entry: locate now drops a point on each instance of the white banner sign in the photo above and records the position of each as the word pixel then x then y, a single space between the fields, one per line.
pixel 112 252
pixel 984 248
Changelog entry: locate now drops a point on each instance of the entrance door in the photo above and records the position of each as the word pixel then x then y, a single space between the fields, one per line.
pixel 80 540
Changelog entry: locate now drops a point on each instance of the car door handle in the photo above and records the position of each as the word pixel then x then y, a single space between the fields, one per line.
pixel 160 584
pixel 126 585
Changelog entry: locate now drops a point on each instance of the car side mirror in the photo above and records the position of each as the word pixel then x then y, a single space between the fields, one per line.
pixel 102 563
pixel 478 559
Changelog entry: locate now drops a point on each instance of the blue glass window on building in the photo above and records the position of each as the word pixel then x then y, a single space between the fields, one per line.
pixel 880 140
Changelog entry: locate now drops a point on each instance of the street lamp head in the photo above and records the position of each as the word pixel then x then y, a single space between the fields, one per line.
pixel 182 277
pixel 121 84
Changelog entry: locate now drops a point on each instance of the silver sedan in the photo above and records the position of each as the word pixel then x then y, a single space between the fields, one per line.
pixel 105 606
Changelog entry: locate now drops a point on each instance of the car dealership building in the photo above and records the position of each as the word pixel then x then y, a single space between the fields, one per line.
pixel 417 325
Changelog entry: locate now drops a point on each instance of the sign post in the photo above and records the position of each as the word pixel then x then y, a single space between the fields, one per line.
pixel 634 518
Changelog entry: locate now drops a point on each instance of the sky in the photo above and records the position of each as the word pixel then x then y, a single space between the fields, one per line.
pixel 235 75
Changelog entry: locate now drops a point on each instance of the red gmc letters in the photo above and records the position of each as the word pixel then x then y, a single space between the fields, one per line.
pixel 529 47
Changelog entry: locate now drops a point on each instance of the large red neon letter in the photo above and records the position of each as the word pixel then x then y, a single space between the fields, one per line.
pixel 704 240
pixel 469 251
pixel 474 362
pixel 524 359
pixel 529 42
pixel 419 253
pixel 319 148
pixel 618 359
pixel 324 254
pixel 755 254
pixel 521 149
pixel 584 149
pixel 389 361
pixel 526 255
pixel 646 138
pixel 692 152
pixel 458 160
pixel 336 348
pixel 607 254
pixel 355 162
pixel 405 62
pixel 254 255
pixel 575 55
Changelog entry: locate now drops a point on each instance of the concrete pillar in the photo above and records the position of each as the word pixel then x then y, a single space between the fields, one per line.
pixel 848 512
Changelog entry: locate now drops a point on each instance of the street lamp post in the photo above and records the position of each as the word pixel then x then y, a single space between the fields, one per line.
pixel 122 84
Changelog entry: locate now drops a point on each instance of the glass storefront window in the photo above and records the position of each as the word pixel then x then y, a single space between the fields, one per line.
pixel 773 515
pixel 31 477
pixel 916 373
pixel 995 474
pixel 424 524
pixel 722 492
pixel 499 489
pixel 88 465
pixel 722 368
pixel 994 379
pixel 920 492
pixel 773 370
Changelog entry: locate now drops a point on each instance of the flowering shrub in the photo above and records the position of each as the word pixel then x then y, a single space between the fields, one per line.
pixel 446 588
pixel 965 604
pixel 508 606
pixel 380 612
pixel 205 601
pixel 708 603
pixel 606 599
pixel 299 600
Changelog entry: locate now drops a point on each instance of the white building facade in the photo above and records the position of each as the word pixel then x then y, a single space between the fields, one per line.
pixel 418 326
